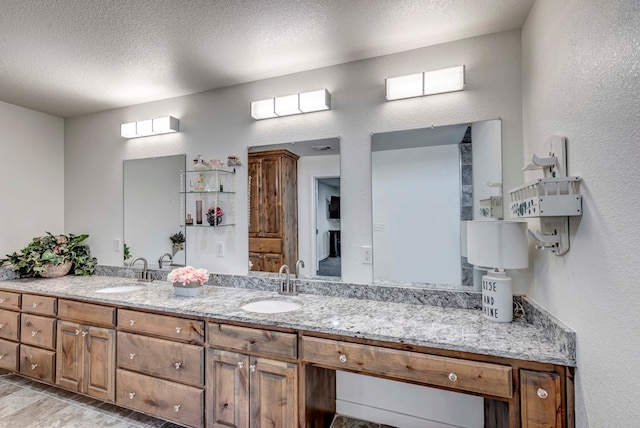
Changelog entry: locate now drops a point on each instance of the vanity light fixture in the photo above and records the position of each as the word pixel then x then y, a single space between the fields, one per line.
pixel 145 128
pixel 426 83
pixel 497 245
pixel 306 102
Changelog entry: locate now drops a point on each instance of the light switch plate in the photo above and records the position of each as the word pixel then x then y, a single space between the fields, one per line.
pixel 367 255
pixel 220 249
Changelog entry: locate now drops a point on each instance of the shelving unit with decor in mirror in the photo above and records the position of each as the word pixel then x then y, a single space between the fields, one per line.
pixel 209 198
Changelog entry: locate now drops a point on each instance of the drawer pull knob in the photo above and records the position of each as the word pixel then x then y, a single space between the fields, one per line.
pixel 176 407
pixel 35 305
pixel 178 330
pixel 343 358
pixel 132 356
pixel 132 322
pixel 34 332
pixel 177 365
pixel 84 333
pixel 131 395
pixel 1 325
pixel 34 366
pixel 2 356
pixel 542 393
pixel 453 377
pixel 1 300
pixel 252 367
pixel 78 331
pixel 240 364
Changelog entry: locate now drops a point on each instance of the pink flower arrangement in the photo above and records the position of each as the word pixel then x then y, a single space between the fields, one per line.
pixel 187 275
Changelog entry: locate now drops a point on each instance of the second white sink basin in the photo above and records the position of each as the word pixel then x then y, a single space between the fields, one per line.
pixel 272 306
pixel 120 289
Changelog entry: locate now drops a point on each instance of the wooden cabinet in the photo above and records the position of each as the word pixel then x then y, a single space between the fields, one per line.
pixel 37 363
pixel 86 359
pixel 540 399
pixel 9 355
pixel 37 354
pixel 167 400
pixel 160 366
pixel 273 209
pixel 247 391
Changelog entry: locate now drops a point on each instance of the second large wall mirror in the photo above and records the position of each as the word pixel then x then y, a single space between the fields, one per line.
pixel 294 207
pixel 426 182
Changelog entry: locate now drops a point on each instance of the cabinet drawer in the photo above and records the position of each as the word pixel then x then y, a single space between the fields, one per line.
pixel 9 300
pixel 38 331
pixel 162 358
pixel 167 400
pixel 265 245
pixel 484 378
pixel 37 363
pixel 540 399
pixel 9 325
pixel 253 340
pixel 86 313
pixel 39 304
pixel 162 325
pixel 9 355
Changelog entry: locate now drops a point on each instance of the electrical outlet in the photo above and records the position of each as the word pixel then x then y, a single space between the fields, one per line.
pixel 116 245
pixel 220 249
pixel 367 255
pixel 378 227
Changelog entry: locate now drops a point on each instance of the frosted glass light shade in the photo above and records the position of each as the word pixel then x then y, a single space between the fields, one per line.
pixel 315 101
pixel 288 105
pixel 445 80
pixel 497 244
pixel 128 130
pixel 165 125
pixel 144 127
pixel 263 109
pixel 404 86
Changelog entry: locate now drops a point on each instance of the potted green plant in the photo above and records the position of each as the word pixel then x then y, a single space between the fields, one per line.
pixel 53 255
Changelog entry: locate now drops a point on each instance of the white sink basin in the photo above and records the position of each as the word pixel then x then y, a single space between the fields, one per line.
pixel 272 306
pixel 120 289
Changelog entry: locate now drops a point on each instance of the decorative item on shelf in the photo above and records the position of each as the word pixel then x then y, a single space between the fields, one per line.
pixel 53 255
pixel 189 220
pixel 214 216
pixel 198 212
pixel 177 241
pixel 497 245
pixel 199 164
pixel 233 161
pixel 188 281
pixel 216 164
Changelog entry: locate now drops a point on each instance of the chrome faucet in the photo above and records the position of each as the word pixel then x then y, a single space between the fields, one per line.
pixel 284 286
pixel 162 258
pixel 299 263
pixel 145 274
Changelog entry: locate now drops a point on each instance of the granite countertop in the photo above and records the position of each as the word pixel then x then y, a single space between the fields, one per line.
pixel 422 325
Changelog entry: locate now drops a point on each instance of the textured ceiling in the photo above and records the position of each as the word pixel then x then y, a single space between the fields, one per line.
pixel 71 57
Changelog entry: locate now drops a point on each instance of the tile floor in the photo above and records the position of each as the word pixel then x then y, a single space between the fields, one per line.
pixel 25 403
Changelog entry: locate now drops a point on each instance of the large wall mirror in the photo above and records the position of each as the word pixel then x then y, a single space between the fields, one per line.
pixel 315 208
pixel 426 183
pixel 153 210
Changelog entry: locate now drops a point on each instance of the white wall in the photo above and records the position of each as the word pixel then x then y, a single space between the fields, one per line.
pixel 581 79
pixel 217 124
pixel 31 173
pixel 416 203
pixel 487 165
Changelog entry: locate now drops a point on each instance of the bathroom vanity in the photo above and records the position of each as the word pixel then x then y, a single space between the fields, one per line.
pixel 206 362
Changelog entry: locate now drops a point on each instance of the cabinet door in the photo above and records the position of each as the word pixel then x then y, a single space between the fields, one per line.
pixel 255 211
pixel 541 401
pixel 99 359
pixel 227 389
pixel 256 261
pixel 70 367
pixel 272 262
pixel 274 393
pixel 271 197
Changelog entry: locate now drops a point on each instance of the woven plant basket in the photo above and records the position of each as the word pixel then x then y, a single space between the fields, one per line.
pixel 56 271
